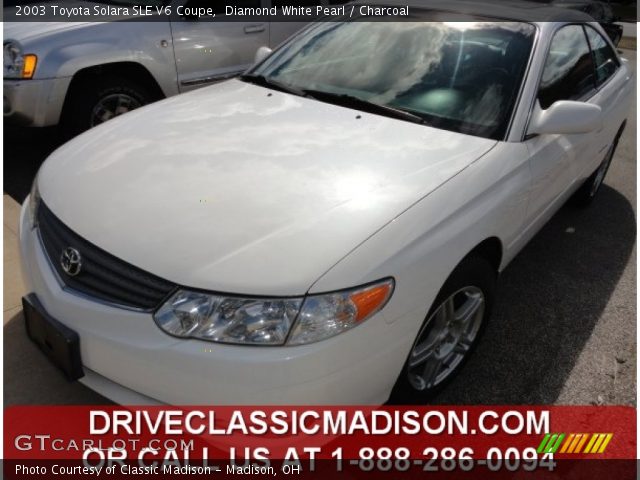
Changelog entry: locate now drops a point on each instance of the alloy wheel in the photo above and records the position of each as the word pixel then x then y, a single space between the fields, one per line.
pixel 446 338
pixel 111 106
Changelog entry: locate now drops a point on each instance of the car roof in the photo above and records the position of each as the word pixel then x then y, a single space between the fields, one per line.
pixel 514 10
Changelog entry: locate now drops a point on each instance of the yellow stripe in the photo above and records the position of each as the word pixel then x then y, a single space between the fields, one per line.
pixel 566 443
pixel 596 446
pixel 605 443
pixel 594 437
pixel 584 439
pixel 575 442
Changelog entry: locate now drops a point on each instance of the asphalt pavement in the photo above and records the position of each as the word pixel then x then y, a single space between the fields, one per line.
pixel 563 329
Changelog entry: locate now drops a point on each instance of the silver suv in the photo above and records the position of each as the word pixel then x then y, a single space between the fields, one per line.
pixel 82 74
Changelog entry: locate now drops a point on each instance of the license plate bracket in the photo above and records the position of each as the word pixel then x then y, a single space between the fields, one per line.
pixel 58 342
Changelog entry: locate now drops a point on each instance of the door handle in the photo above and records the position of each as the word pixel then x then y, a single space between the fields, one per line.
pixel 254 28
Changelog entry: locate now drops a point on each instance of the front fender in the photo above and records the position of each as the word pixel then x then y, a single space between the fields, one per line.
pixel 68 52
pixel 422 246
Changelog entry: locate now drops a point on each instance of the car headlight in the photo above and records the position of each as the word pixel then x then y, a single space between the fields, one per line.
pixel 270 321
pixel 34 203
pixel 324 316
pixel 16 63
pixel 228 319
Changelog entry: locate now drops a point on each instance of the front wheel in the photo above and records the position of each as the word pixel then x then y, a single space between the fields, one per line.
pixel 93 103
pixel 450 332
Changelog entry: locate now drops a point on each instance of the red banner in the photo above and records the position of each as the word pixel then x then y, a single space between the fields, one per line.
pixel 361 442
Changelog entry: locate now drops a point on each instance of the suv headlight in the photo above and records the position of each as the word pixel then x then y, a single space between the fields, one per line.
pixel 270 321
pixel 16 63
pixel 34 203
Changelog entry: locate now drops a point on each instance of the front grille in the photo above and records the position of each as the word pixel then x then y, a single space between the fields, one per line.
pixel 102 275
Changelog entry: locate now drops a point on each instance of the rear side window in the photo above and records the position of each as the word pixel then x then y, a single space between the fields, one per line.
pixel 568 72
pixel 603 55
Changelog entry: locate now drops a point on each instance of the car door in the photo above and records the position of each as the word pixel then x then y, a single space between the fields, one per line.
pixel 209 51
pixel 612 80
pixel 555 160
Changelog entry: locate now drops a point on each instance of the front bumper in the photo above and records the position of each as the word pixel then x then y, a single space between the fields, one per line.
pixel 36 103
pixel 129 359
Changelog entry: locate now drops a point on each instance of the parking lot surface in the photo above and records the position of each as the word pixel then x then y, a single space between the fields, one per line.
pixel 563 329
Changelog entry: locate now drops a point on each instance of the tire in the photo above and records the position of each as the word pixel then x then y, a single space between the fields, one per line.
pixel 588 191
pixel 472 284
pixel 95 101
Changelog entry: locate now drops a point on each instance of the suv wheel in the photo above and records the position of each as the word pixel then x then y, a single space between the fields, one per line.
pixel 93 103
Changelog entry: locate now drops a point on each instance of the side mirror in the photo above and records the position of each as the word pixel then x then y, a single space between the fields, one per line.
pixel 565 117
pixel 262 53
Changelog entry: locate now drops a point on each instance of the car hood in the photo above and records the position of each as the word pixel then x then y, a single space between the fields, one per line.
pixel 238 188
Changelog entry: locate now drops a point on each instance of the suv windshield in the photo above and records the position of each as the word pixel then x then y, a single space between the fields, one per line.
pixel 460 76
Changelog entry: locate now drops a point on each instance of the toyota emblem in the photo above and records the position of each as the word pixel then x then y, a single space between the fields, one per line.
pixel 71 261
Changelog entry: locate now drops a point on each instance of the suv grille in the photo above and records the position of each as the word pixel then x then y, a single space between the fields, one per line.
pixel 102 275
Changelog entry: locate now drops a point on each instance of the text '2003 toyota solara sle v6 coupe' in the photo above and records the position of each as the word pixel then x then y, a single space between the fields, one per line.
pixel 327 228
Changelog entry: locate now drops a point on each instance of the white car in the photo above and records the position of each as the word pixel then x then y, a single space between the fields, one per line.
pixel 329 227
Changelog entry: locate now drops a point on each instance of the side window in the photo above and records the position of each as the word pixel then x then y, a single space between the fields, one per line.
pixel 603 55
pixel 568 71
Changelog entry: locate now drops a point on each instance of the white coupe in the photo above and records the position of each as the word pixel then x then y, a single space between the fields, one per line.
pixel 327 228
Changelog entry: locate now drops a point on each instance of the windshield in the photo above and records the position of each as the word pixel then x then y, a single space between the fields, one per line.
pixel 460 76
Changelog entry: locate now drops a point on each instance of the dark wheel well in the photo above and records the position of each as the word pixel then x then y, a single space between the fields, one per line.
pixel 129 70
pixel 491 250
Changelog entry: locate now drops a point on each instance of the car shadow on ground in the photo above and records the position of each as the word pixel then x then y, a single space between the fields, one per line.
pixel 24 151
pixel 549 300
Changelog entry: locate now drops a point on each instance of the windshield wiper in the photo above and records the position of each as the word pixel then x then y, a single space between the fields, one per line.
pixel 359 104
pixel 335 98
pixel 270 83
